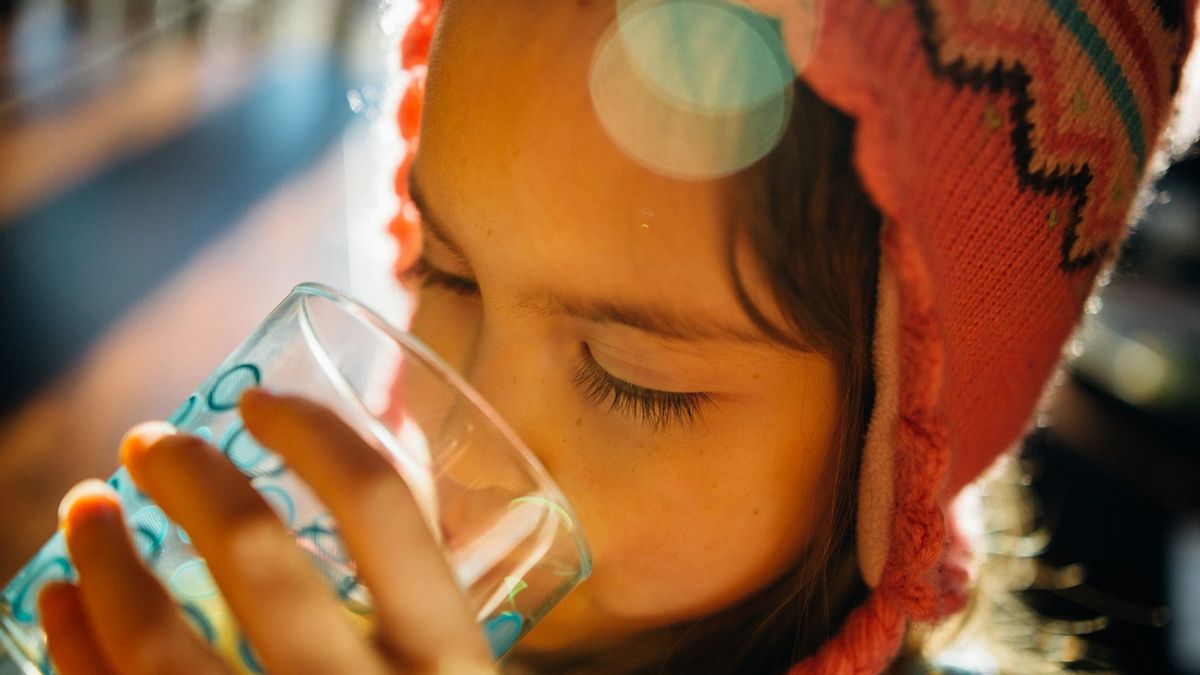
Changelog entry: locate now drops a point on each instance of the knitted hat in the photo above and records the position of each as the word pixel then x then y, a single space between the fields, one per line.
pixel 1005 142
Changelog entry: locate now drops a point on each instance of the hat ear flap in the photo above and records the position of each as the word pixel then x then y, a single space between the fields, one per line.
pixel 876 479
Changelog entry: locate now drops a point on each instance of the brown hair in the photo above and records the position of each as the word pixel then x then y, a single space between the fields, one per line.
pixel 815 234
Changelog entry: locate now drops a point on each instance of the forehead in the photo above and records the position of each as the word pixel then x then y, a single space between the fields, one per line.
pixel 512 152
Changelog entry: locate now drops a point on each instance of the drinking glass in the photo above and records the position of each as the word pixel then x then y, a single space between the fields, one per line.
pixel 508 534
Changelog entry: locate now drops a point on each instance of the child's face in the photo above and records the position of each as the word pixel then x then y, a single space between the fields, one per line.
pixel 580 254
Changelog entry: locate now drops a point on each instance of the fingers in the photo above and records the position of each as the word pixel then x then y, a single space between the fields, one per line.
pixel 421 612
pixel 290 616
pixel 119 610
pixel 69 639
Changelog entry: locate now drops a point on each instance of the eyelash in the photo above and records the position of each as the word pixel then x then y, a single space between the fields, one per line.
pixel 657 409
pixel 427 276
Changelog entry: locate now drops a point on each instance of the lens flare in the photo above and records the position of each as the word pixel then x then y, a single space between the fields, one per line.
pixel 692 88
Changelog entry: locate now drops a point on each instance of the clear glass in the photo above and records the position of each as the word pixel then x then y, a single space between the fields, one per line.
pixel 508 533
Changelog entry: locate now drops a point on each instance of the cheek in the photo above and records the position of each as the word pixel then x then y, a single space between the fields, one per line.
pixel 672 543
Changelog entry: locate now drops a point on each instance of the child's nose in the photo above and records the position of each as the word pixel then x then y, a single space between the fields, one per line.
pixel 509 370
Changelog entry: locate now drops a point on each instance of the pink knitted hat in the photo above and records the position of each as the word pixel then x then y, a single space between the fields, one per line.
pixel 1005 142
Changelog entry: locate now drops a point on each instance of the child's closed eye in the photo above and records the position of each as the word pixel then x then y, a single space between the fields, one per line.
pixel 655 408
pixel 426 275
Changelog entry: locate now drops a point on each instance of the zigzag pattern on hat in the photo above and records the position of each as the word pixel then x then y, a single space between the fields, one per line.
pixel 1061 145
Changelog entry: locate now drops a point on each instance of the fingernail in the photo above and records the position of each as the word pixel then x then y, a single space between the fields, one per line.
pixel 92 487
pixel 143 436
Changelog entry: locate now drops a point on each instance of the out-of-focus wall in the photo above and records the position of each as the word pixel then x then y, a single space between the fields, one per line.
pixel 168 170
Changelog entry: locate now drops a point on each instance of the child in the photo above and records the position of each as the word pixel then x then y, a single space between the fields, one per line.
pixel 762 329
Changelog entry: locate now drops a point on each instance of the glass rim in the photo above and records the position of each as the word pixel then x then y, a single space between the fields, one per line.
pixel 415 347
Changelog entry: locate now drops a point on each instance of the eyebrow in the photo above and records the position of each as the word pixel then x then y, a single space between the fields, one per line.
pixel 654 319
pixel 649 318
pixel 432 224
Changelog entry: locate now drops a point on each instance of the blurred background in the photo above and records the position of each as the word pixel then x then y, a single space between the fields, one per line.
pixel 1115 458
pixel 170 168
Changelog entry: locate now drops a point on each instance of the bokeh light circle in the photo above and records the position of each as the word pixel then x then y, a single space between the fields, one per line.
pixel 692 88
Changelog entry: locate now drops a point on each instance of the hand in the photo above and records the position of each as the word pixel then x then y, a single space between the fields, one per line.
pixel 120 620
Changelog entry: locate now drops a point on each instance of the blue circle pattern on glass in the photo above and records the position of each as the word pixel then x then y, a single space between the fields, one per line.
pixel 280 501
pixel 325 547
pixel 354 595
pixel 502 631
pixel 203 433
pixel 149 526
pixel 249 659
pixel 323 541
pixel 229 386
pixel 192 580
pixel 248 456
pixel 53 566
pixel 200 622
pixel 182 412
pixel 130 495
